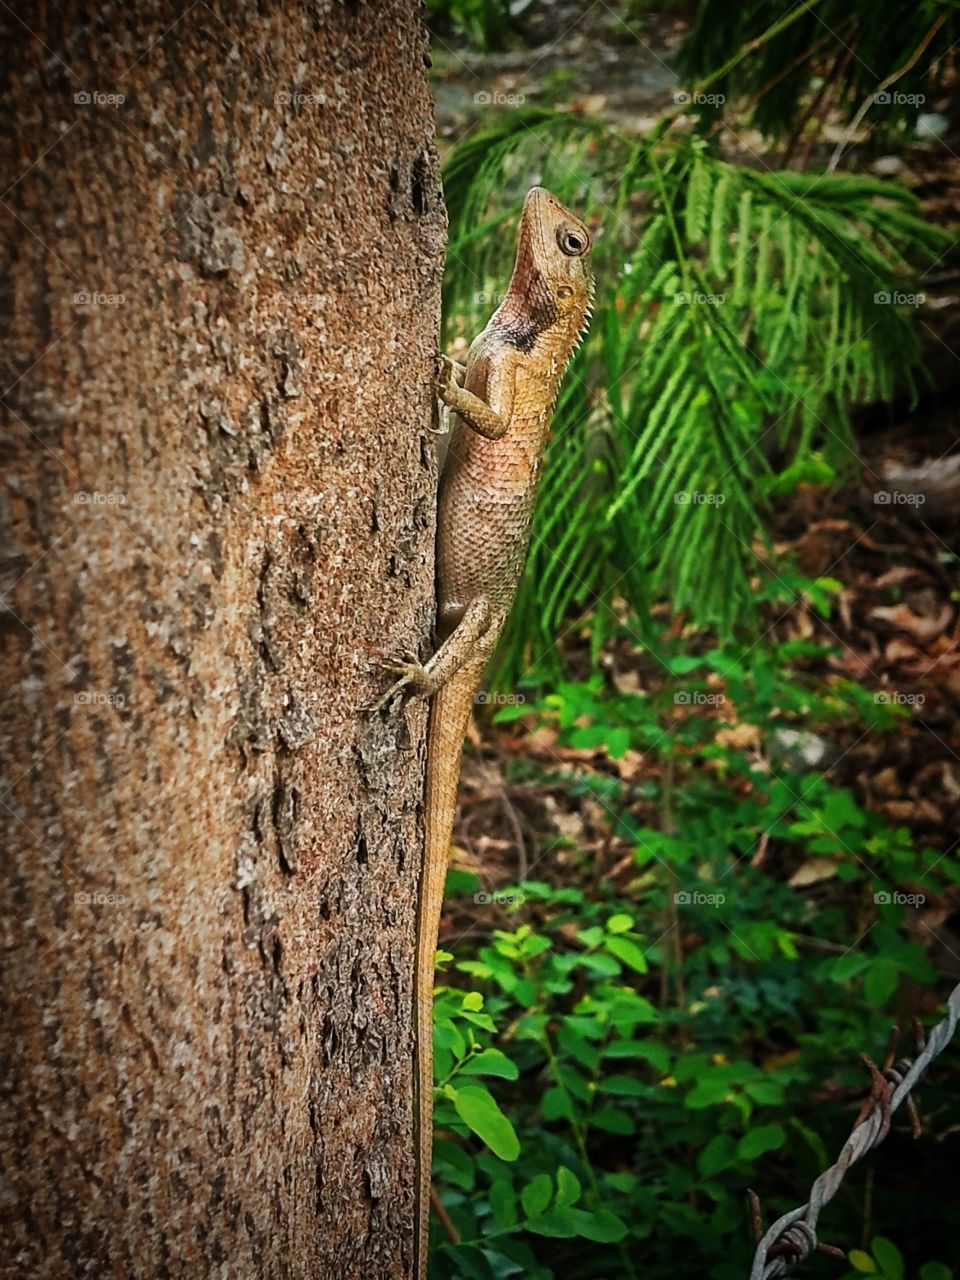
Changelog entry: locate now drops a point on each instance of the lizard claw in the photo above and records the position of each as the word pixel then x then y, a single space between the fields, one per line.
pixel 450 372
pixel 448 377
pixel 400 663
pixel 413 677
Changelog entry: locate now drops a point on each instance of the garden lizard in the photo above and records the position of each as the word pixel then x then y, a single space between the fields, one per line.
pixel 500 407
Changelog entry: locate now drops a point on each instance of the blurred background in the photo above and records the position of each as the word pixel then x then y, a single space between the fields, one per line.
pixel 707 847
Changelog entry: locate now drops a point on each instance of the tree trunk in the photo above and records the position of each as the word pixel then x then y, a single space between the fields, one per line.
pixel 226 237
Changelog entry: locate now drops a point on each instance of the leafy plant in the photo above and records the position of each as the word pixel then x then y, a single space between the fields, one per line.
pixel 885 1262
pixel 862 50
pixel 607 1084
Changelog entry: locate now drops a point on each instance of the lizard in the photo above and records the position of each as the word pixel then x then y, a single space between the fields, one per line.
pixel 499 407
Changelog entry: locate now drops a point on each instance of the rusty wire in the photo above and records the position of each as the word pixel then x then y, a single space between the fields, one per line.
pixel 793 1237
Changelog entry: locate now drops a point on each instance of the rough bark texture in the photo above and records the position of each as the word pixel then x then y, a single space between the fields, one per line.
pixel 224 300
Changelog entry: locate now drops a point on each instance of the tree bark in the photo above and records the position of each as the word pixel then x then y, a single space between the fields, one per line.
pixel 223 234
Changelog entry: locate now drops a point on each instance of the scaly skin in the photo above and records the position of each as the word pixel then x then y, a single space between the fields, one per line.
pixel 500 423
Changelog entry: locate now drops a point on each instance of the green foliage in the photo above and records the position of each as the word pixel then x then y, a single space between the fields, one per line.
pixel 659 1049
pixel 885 1262
pixel 486 24
pixel 739 315
pixel 855 44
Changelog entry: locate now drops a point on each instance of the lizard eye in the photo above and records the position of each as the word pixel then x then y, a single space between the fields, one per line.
pixel 573 241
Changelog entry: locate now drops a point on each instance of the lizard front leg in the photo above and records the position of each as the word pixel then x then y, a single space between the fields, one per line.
pixel 452 373
pixel 423 679
pixel 488 413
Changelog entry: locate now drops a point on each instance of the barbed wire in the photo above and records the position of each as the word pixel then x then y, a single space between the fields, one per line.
pixel 793 1237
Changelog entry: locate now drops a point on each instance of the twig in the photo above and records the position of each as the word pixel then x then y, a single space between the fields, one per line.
pixel 440 1211
pixel 881 88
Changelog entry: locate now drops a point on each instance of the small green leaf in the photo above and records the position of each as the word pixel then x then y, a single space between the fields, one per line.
pixel 707 1093
pixel 612 1120
pixel 767 1092
pixel 619 923
pixel 935 1271
pixel 683 664
pixel 559 1223
pixel 719 1154
pixel 479 1112
pixel 536 1195
pixel 563 1222
pixel 624 1086
pixel 861 1261
pixel 628 952
pixel 447 1036
pixel 555 1105
pixel 768 1137
pixel 514 711
pixel 489 1062
pixel 603 1226
pixel 848 966
pixel 472 1264
pixel 503 1203
pixel 602 966
pixel 461 882
pixel 888 1256
pixel 657 1055
pixel 568 1186
pixel 881 981
pixel 458 1167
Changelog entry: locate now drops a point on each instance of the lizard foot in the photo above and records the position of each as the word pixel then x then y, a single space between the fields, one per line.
pixel 414 678
pixel 449 378
pixel 450 375
pixel 450 371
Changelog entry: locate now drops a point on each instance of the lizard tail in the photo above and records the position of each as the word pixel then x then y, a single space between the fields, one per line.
pixel 449 716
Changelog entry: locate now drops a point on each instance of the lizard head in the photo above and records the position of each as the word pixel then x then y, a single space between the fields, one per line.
pixel 547 306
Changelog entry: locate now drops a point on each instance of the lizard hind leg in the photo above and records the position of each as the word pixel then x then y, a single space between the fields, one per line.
pixel 413 678
pixel 424 679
